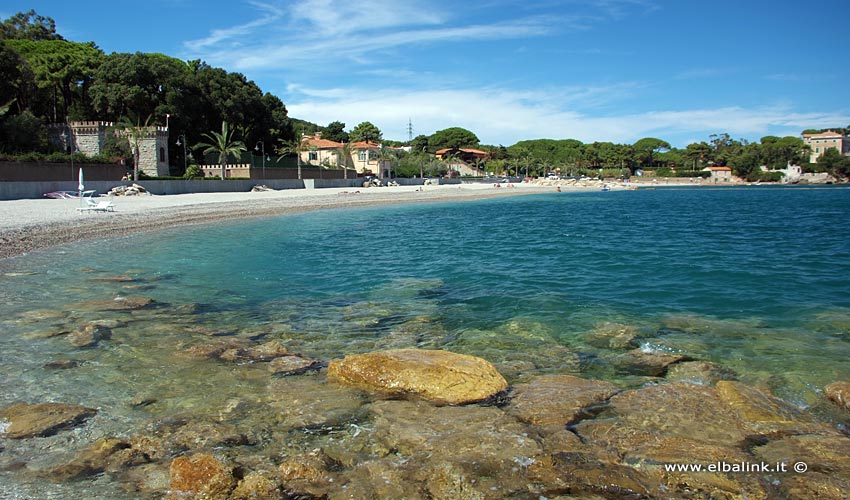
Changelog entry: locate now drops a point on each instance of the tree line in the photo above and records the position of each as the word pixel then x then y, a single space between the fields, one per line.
pixel 52 80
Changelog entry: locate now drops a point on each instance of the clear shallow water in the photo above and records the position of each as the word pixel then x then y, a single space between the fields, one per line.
pixel 754 279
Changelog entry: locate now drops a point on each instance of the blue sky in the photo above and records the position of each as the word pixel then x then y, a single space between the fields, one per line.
pixel 593 70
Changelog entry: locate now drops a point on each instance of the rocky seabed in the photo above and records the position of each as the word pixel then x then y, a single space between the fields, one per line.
pixel 411 419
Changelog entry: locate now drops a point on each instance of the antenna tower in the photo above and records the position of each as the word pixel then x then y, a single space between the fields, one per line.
pixel 409 130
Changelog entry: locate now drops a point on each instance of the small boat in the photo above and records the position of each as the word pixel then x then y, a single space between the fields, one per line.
pixel 606 188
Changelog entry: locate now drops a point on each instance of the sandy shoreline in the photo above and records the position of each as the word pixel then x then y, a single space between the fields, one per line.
pixel 27 225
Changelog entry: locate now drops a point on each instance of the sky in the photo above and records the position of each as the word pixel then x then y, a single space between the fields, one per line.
pixel 592 70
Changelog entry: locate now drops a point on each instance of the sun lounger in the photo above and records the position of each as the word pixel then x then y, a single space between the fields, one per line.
pixel 97 206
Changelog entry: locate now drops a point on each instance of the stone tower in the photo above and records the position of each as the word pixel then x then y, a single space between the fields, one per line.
pixel 89 138
pixel 153 152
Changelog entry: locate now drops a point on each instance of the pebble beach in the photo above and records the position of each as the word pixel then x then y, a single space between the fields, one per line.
pixel 27 225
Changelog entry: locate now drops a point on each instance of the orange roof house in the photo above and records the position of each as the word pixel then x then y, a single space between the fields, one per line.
pixel 719 174
pixel 466 161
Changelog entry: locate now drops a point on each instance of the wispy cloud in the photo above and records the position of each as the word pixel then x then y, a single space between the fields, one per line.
pixel 236 33
pixel 302 31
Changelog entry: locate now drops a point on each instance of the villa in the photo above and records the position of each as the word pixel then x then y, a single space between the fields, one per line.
pixel 365 155
pixel 819 143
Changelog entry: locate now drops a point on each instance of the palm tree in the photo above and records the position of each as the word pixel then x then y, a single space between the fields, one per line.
pixel 132 127
pixel 479 165
pixel 295 147
pixel 344 158
pixel 387 156
pixel 222 144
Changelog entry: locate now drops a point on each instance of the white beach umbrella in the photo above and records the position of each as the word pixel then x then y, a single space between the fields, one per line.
pixel 81 187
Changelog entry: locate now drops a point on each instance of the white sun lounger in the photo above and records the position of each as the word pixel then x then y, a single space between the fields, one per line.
pixel 97 206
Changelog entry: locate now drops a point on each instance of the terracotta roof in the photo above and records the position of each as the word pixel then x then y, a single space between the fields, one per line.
pixel 717 169
pixel 365 145
pixel 828 133
pixel 465 150
pixel 320 143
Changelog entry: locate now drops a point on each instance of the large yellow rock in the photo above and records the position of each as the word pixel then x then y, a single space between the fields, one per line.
pixel 439 376
pixel 839 393
pixel 200 477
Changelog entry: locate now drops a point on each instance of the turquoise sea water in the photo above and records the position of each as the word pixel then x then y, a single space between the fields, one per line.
pixel 755 279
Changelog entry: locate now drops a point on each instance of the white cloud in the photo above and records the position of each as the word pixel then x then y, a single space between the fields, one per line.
pixel 502 116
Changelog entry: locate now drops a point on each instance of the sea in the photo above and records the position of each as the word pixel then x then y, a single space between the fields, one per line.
pixel 754 279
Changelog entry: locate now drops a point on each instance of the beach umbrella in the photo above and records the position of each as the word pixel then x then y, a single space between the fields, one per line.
pixel 81 187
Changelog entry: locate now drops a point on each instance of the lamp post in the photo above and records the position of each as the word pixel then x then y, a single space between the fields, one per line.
pixel 181 140
pixel 70 147
pixel 261 146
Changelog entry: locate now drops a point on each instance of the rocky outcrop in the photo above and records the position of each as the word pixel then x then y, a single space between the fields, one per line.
pixel 24 420
pixel 439 376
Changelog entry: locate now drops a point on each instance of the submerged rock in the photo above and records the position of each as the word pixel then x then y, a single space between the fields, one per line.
pixel 62 364
pixel 89 335
pixel 641 362
pixel 258 485
pixel 262 352
pixel 518 347
pixel 698 372
pixel 584 476
pixel 308 474
pixel 817 466
pixel 24 420
pixel 200 476
pixel 116 304
pixel 118 278
pixel 839 393
pixel 311 402
pixel 679 409
pixel 613 336
pixel 107 454
pixel 291 365
pixel 214 349
pixel 557 400
pixel 481 435
pixel 440 376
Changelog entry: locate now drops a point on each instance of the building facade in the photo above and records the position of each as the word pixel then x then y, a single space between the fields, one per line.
pixel 719 174
pixel 819 143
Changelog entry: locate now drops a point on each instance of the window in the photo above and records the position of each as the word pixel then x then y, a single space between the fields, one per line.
pixel 162 155
pixel 361 156
pixel 314 155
